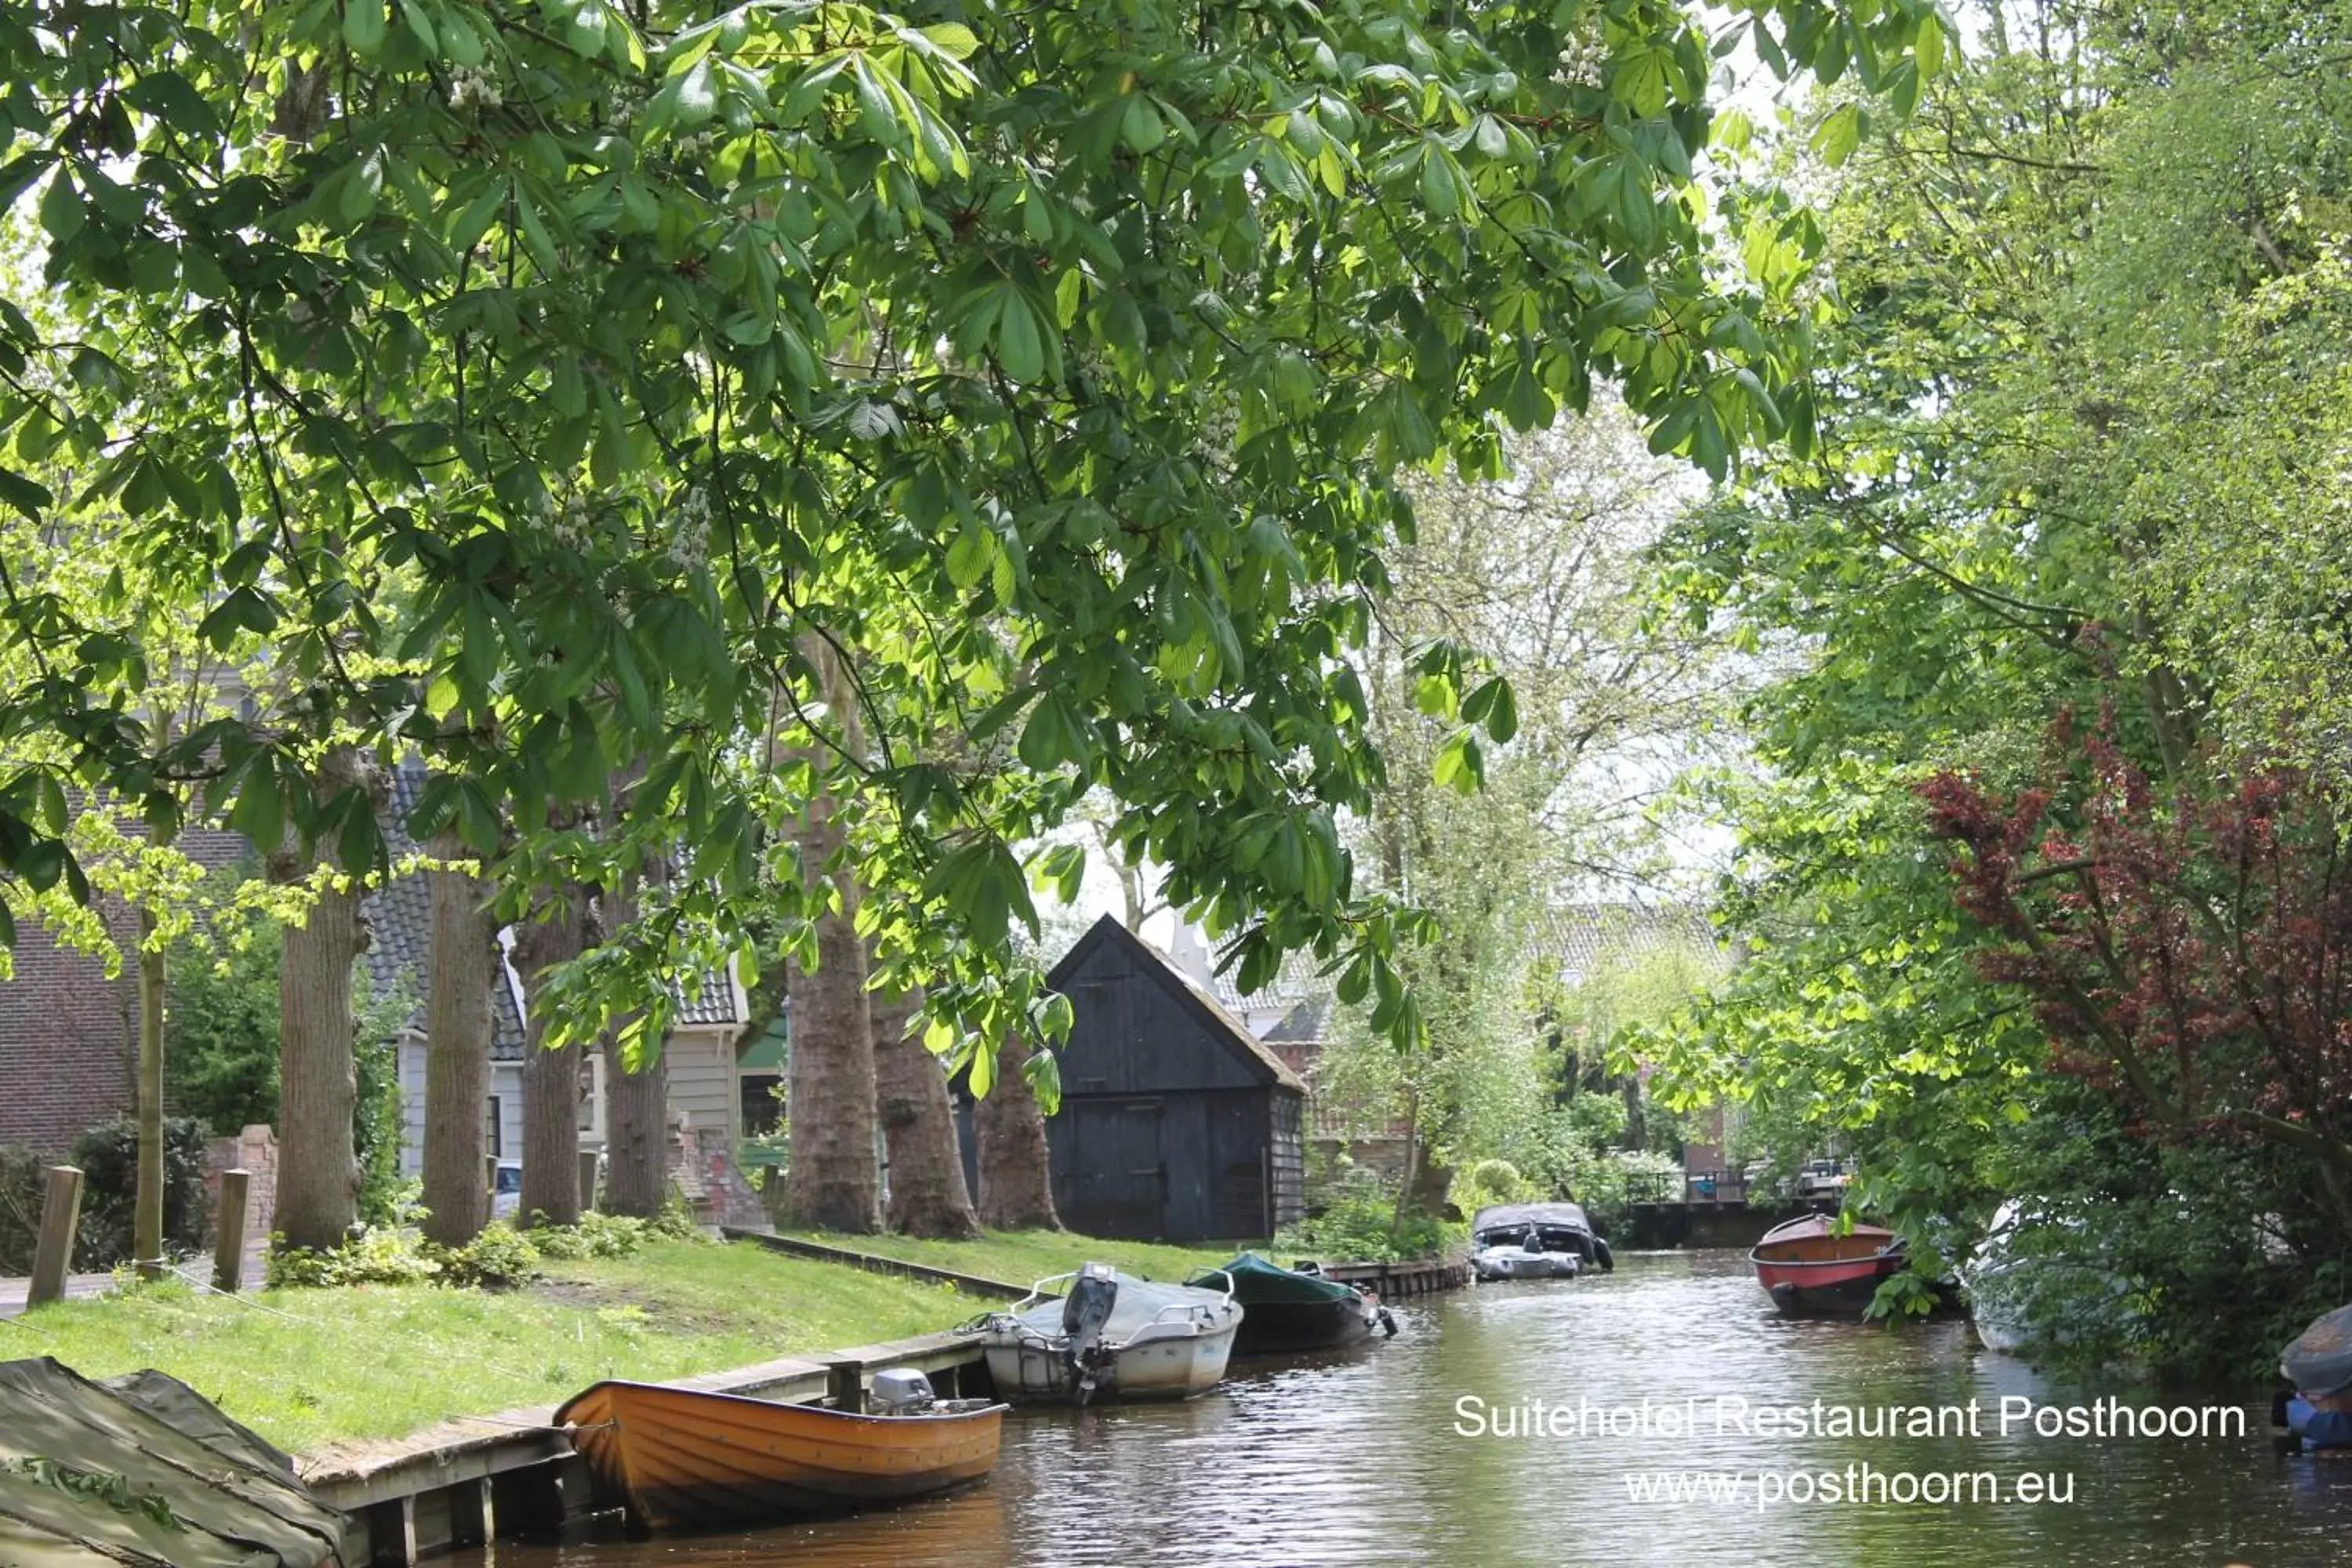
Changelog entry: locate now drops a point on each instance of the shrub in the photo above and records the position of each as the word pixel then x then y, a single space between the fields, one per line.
pixel 109 1157
pixel 376 1256
pixel 500 1258
pixel 1353 1220
pixel 20 1207
pixel 596 1235
pixel 1491 1182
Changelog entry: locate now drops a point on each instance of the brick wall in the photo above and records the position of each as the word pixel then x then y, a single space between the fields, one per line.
pixel 65 1041
pixel 68 1033
pixel 255 1151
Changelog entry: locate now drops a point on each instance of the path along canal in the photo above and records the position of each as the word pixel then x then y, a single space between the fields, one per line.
pixel 1364 1460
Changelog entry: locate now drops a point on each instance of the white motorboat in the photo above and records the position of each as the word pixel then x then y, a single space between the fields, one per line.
pixel 1113 1336
pixel 2039 1280
pixel 1526 1259
pixel 1535 1241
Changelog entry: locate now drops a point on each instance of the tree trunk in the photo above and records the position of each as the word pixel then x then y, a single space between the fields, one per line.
pixel 1016 1178
pixel 636 1131
pixel 550 1078
pixel 927 1195
pixel 318 1163
pixel 636 1104
pixel 1409 1182
pixel 831 1182
pixel 464 966
pixel 147 1215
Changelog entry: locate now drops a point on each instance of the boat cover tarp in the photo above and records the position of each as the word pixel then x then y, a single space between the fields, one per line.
pixel 92 1475
pixel 2320 1361
pixel 1518 1216
pixel 1259 1282
pixel 1138 1303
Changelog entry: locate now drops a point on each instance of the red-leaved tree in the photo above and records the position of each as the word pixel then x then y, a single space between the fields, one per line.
pixel 2187 952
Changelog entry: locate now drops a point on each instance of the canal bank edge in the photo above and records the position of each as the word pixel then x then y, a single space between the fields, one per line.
pixel 475 1479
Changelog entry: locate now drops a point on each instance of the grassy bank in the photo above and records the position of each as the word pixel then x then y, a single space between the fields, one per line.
pixel 1019 1256
pixel 305 1368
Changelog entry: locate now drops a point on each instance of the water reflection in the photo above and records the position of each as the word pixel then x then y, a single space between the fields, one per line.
pixel 1355 1459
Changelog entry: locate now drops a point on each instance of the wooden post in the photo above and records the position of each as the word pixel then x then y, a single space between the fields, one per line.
pixel 490 1175
pixel 228 1249
pixel 587 1180
pixel 53 1254
pixel 473 1514
pixel 845 1385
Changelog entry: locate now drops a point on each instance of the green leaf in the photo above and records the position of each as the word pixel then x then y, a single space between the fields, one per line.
pixel 364 25
pixel 1019 348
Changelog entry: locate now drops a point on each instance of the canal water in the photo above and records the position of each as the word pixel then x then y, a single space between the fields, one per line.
pixel 1672 1374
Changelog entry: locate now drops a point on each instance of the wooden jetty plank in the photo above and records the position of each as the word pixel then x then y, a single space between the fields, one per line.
pixel 793 1247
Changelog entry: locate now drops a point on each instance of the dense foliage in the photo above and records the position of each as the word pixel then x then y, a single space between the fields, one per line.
pixel 108 1157
pixel 2083 435
pixel 543 386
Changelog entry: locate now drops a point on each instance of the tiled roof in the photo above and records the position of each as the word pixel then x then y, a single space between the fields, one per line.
pixel 400 920
pixel 1584 938
pixel 1303 1024
pixel 401 914
pixel 1206 1007
pixel 1297 980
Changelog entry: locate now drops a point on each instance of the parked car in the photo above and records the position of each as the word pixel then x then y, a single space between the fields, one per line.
pixel 1823 1178
pixel 506 1193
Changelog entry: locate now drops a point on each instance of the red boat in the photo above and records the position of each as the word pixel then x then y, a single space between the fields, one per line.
pixel 1810 1265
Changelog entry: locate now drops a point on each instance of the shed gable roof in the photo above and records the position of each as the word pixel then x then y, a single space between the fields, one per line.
pixel 1218 1025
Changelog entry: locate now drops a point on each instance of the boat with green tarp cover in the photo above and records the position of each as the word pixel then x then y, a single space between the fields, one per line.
pixel 1286 1310
pixel 143 1469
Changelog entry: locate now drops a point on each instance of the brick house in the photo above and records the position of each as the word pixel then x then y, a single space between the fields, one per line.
pixel 69 1035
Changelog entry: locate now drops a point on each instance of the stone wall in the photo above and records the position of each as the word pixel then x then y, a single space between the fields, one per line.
pixel 702 1169
pixel 254 1151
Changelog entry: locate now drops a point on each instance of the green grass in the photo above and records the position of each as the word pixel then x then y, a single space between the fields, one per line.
pixel 1020 1257
pixel 305 1368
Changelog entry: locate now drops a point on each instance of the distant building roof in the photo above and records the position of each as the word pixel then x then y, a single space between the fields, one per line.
pixel 401 915
pixel 1204 1006
pixel 1298 979
pixel 1584 938
pixel 400 921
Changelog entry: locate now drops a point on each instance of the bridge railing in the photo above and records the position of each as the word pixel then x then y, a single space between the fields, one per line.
pixel 1688 1187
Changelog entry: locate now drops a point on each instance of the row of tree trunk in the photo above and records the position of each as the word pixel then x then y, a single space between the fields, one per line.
pixel 859 1079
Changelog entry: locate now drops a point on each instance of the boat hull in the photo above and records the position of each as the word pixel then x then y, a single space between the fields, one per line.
pixel 1818 1265
pixel 1027 1370
pixel 1289 1328
pixel 1511 1263
pixel 684 1460
pixel 1823 1288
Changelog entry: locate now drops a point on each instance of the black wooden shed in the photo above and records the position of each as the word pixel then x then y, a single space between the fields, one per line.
pixel 1175 1122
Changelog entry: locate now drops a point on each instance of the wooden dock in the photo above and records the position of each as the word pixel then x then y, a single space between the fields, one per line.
pixel 480 1478
pixel 793 1247
pixel 486 1478
pixel 1418 1277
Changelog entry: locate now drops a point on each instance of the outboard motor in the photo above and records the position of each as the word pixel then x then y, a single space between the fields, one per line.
pixel 1092 1295
pixel 901 1391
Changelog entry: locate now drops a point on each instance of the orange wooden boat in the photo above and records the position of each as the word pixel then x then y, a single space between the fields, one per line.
pixel 684 1460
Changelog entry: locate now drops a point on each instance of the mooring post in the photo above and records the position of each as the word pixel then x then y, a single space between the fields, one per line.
pixel 228 1249
pixel 587 1180
pixel 845 1386
pixel 53 1254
